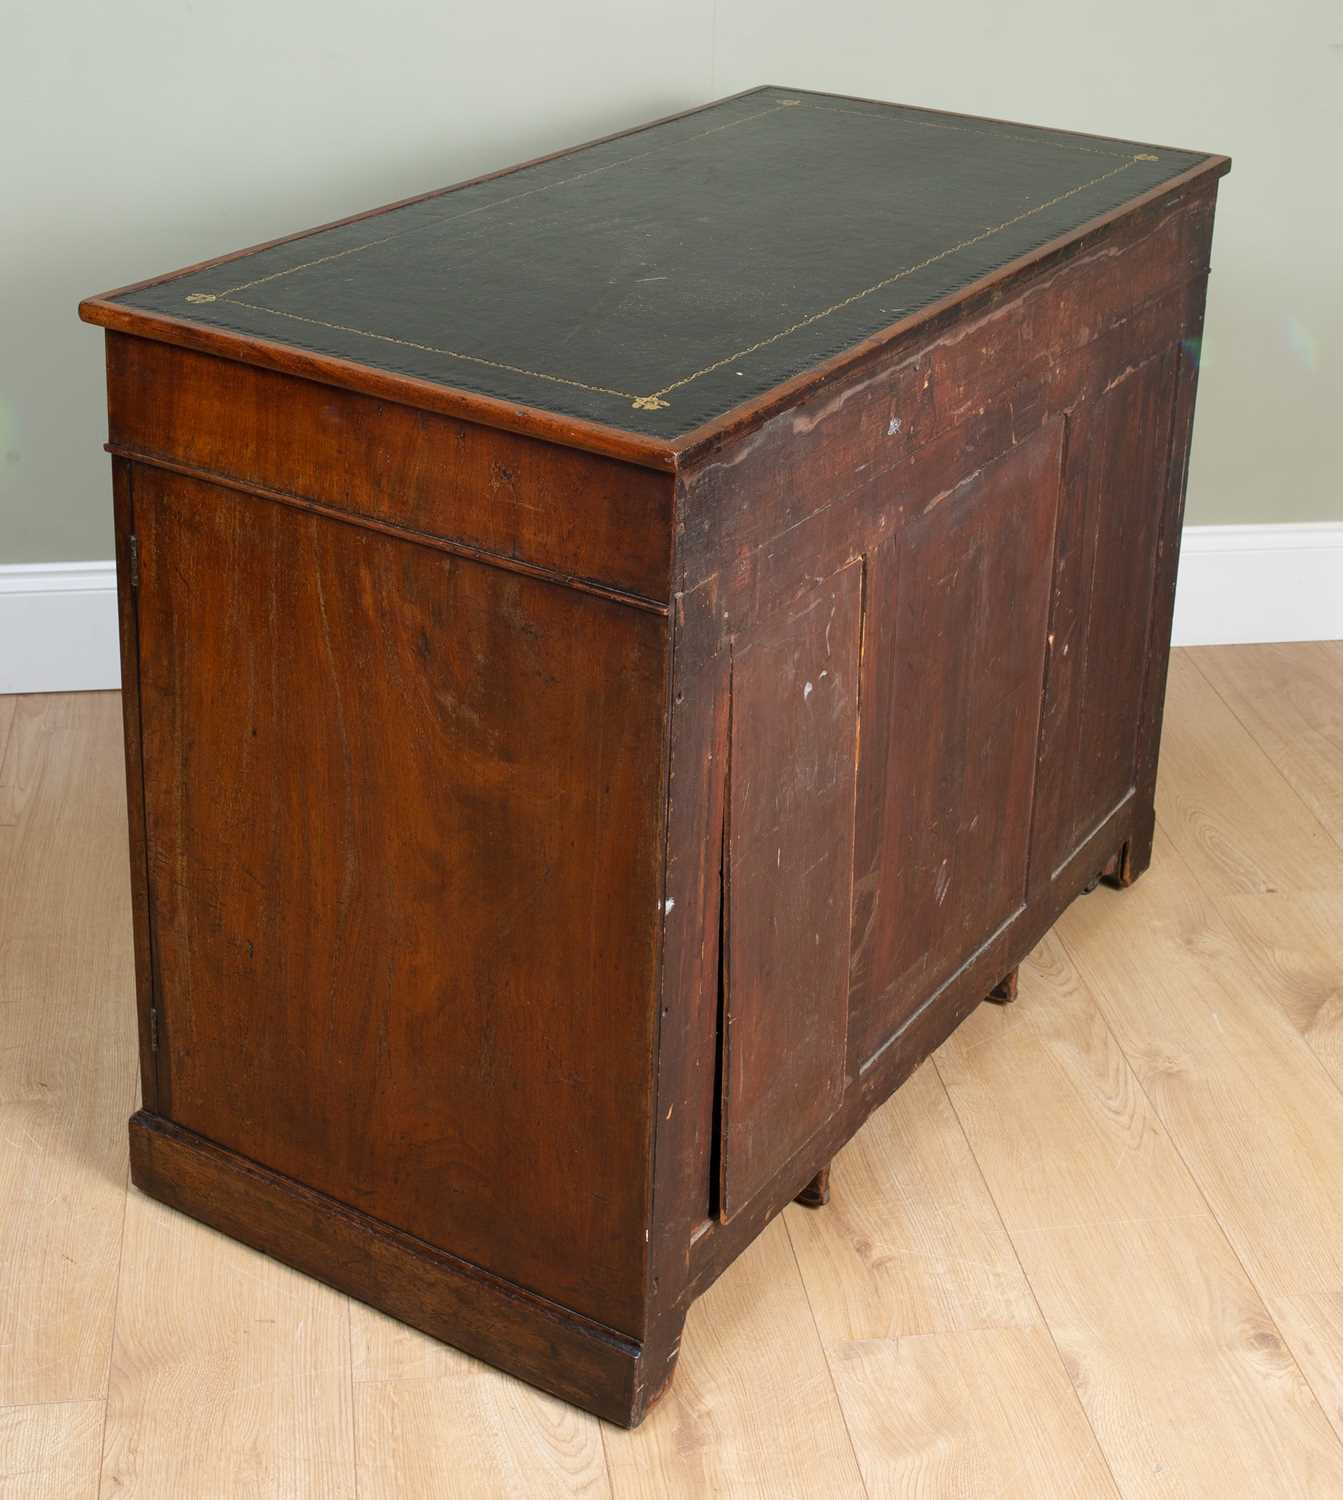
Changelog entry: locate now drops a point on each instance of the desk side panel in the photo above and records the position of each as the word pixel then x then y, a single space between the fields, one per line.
pixel 403 831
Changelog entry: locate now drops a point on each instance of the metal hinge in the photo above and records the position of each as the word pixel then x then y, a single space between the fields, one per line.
pixel 153 1029
pixel 134 549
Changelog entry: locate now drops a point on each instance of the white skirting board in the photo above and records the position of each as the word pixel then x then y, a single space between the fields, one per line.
pixel 58 627
pixel 1260 583
pixel 58 621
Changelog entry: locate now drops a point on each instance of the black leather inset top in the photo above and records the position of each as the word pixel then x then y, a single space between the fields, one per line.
pixel 656 281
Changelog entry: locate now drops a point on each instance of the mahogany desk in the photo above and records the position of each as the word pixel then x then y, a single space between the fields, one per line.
pixel 619 658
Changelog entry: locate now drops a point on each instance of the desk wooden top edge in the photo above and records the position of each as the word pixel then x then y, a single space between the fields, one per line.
pixel 405 390
pixel 662 454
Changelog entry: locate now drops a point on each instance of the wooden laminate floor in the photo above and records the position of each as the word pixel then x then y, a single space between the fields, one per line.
pixel 1094 1247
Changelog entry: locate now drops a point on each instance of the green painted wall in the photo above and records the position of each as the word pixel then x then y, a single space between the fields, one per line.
pixel 144 136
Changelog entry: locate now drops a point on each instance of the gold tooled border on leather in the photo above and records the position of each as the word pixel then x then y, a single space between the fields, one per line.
pixel 656 400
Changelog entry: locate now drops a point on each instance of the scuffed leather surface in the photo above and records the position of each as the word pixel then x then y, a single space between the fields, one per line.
pixel 701 262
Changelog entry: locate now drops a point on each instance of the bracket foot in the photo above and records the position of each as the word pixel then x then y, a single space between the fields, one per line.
pixel 816 1194
pixel 1005 991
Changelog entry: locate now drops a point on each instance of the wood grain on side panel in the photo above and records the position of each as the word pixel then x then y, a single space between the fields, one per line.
pixel 793 743
pixel 404 838
pixel 577 514
pixel 951 703
pixel 1110 514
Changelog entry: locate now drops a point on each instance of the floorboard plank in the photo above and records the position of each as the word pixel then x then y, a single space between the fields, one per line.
pixel 9 708
pixel 431 1421
pixel 910 1241
pixel 949 1381
pixel 1294 945
pixel 1253 1112
pixel 970 1413
pixel 1169 1346
pixel 1313 1326
pixel 1228 808
pixel 50 1452
pixel 1290 698
pixel 1186 1378
pixel 230 1372
pixel 1056 1118
pixel 67 1046
pixel 752 1411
